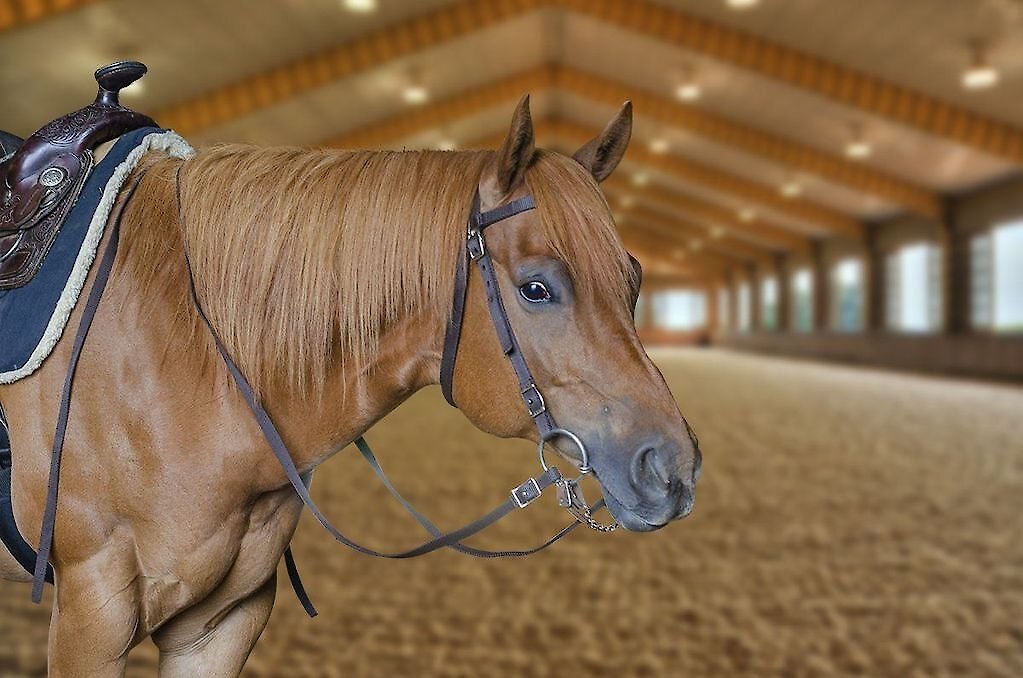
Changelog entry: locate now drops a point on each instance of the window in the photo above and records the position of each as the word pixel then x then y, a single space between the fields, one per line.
pixel 848 291
pixel 981 281
pixel 745 314
pixel 769 303
pixel 1008 297
pixel 724 323
pixel 996 279
pixel 802 300
pixel 679 309
pixel 913 294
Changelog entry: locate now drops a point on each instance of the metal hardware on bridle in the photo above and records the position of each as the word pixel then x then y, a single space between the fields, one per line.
pixel 584 461
pixel 570 492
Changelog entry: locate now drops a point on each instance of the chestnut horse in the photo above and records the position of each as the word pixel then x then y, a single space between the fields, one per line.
pixel 329 276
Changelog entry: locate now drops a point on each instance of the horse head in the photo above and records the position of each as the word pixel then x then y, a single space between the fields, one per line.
pixel 569 289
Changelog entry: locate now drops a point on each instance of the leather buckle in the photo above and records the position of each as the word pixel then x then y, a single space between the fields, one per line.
pixel 477 247
pixel 534 401
pixel 570 494
pixel 526 493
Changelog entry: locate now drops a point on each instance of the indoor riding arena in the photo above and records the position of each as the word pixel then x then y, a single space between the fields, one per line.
pixel 827 202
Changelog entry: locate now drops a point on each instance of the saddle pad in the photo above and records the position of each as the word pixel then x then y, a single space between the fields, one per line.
pixel 33 317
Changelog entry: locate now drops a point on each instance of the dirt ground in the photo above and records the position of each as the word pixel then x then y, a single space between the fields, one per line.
pixel 849 522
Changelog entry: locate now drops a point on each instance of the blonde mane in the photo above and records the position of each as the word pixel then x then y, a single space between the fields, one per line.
pixel 303 257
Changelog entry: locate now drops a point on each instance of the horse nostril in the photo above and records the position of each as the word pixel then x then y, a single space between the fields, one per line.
pixel 649 467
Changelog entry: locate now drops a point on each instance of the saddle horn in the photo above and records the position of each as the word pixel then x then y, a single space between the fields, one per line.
pixel 115 77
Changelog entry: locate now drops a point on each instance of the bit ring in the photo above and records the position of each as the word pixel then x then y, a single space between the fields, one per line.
pixel 584 465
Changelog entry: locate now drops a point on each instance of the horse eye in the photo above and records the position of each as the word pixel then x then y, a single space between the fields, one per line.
pixel 535 292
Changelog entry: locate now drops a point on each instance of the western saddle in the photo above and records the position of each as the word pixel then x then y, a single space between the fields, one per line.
pixel 42 176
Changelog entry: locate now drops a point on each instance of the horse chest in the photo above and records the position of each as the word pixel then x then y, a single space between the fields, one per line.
pixel 205 579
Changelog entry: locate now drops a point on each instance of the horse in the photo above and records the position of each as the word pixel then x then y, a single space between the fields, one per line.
pixel 327 275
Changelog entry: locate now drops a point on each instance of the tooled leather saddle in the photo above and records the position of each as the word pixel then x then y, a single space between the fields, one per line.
pixel 42 177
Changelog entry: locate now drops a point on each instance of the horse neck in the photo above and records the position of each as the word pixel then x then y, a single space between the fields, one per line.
pixel 354 397
pixel 315 422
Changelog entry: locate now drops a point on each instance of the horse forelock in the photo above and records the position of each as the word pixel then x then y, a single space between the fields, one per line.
pixel 303 257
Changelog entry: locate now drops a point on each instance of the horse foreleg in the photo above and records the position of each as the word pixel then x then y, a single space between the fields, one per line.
pixel 220 649
pixel 92 627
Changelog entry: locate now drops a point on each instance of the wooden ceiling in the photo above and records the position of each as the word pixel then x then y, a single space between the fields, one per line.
pixel 785 86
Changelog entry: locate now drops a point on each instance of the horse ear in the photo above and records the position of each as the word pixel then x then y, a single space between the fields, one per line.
pixel 602 154
pixel 514 157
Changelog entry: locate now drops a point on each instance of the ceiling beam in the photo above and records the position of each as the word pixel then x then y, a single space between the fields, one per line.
pixel 845 85
pixel 255 92
pixel 690 171
pixel 666 235
pixel 683 232
pixel 825 78
pixel 650 253
pixel 756 231
pixel 736 250
pixel 756 234
pixel 686 172
pixel 409 123
pixel 648 237
pixel 788 153
pixel 437 114
pixel 15 14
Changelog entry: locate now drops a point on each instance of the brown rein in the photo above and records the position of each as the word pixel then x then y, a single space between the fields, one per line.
pixel 569 493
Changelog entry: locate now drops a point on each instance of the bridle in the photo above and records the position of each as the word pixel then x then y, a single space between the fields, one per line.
pixel 569 491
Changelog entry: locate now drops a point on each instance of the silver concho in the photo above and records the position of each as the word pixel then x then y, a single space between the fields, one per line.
pixel 52 176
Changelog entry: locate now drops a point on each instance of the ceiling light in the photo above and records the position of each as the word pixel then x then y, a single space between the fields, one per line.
pixel 360 6
pixel 980 74
pixel 747 214
pixel 447 144
pixel 627 201
pixel 689 91
pixel 741 4
pixel 696 244
pixel 415 94
pixel 791 189
pixel 858 147
pixel 717 231
pixel 641 178
pixel 659 146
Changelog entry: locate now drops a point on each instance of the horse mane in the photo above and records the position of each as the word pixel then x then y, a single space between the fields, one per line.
pixel 303 257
